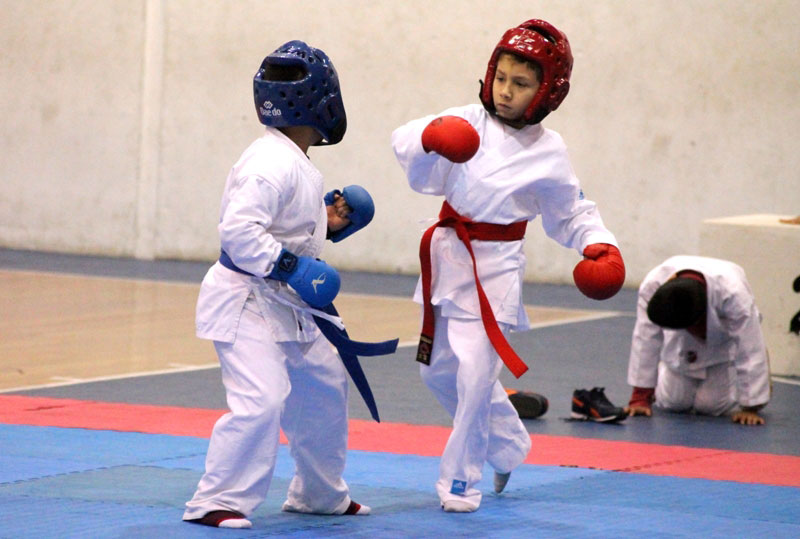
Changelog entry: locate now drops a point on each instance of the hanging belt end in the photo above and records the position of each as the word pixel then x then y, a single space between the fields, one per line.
pixel 424 349
pixel 519 370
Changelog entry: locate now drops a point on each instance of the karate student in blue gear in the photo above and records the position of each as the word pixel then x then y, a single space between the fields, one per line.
pixel 260 303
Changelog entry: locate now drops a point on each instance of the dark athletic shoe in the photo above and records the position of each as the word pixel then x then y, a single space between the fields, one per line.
pixel 529 405
pixel 594 406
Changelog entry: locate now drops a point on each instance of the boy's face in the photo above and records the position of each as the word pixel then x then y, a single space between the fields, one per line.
pixel 515 84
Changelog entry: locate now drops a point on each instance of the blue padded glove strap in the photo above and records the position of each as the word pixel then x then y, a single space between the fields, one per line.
pixel 284 267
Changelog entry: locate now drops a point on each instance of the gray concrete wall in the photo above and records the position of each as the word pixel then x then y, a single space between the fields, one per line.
pixel 122 118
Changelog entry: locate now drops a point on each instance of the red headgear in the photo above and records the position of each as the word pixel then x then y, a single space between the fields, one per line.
pixel 544 44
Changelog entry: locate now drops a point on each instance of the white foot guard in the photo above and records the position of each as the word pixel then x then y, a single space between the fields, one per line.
pixel 457 506
pixel 500 481
pixel 238 523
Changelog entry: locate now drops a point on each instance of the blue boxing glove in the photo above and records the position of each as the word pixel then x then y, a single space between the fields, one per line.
pixel 315 282
pixel 362 209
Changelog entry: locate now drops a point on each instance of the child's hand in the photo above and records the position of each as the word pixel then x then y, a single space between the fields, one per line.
pixel 349 210
pixel 452 137
pixel 636 409
pixel 747 417
pixel 641 400
pixel 338 213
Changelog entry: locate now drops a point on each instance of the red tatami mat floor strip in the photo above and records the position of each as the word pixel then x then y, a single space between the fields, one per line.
pixel 400 438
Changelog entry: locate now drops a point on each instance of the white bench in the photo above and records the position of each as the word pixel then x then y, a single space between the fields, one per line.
pixel 769 252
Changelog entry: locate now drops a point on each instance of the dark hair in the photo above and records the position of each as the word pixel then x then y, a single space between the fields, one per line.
pixel 678 303
pixel 283 73
pixel 537 69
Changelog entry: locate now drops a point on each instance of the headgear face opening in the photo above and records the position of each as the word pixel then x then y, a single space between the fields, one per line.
pixel 314 99
pixel 678 303
pixel 545 45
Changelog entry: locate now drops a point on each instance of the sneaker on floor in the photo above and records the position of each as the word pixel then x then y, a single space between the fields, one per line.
pixel 529 405
pixel 595 406
pixel 500 481
pixel 223 519
pixel 457 506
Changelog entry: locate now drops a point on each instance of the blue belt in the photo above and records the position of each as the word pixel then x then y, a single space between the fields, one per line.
pixel 348 349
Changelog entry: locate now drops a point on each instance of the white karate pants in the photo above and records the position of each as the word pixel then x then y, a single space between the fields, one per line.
pixel 715 395
pixel 486 427
pixel 300 387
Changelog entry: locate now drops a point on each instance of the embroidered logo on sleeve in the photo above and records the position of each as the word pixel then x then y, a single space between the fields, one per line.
pixel 459 487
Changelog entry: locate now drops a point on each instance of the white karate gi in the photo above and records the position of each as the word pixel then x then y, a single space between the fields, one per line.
pixel 517 174
pixel 277 368
pixel 711 377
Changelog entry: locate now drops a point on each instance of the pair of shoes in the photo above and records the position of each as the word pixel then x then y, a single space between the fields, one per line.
pixel 457 506
pixel 500 480
pixel 595 406
pixel 357 509
pixel 223 519
pixel 529 405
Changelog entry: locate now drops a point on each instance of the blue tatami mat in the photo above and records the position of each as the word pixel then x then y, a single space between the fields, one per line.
pixel 68 483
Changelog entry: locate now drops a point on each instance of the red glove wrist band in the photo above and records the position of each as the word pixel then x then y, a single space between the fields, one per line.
pixel 643 396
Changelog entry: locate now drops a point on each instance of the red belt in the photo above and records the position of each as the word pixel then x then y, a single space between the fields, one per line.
pixel 467 230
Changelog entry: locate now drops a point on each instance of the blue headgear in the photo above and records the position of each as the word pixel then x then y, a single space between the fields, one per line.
pixel 314 100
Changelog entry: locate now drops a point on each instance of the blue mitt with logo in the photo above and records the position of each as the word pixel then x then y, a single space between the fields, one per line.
pixel 316 282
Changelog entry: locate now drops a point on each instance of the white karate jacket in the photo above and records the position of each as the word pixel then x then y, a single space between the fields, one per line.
pixel 733 331
pixel 517 174
pixel 273 199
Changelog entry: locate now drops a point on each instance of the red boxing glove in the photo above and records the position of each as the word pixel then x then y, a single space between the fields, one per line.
pixel 452 137
pixel 601 272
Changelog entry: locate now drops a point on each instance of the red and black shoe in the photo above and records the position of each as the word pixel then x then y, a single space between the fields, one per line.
pixel 593 405
pixel 529 405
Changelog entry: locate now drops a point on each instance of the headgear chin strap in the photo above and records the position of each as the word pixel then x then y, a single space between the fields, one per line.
pixel 314 100
pixel 548 47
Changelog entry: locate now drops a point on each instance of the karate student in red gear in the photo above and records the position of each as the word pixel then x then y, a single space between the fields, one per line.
pixel 497 168
pixel 260 304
